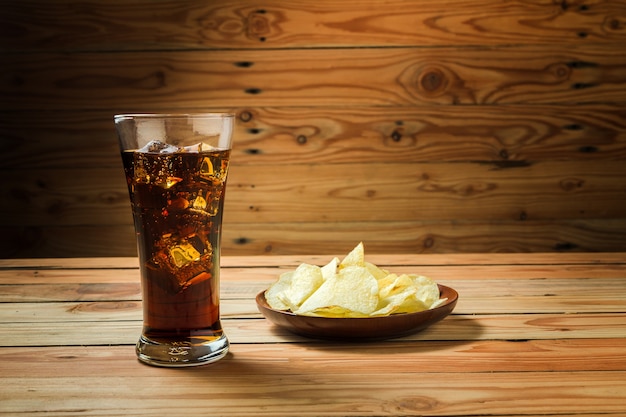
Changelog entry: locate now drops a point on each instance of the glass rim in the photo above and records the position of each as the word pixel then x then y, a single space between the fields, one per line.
pixel 208 115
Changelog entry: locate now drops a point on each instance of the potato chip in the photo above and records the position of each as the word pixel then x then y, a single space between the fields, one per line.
pixel 274 293
pixel 330 268
pixel 351 288
pixel 393 284
pixel 378 273
pixel 428 291
pixel 304 281
pixel 334 311
pixel 437 303
pixel 356 257
pixel 401 300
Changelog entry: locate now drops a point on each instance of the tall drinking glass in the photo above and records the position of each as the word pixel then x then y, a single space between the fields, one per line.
pixel 176 168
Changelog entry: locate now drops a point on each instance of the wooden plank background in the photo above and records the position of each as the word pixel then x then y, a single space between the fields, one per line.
pixel 412 125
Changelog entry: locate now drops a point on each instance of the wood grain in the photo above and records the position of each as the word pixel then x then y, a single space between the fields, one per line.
pixel 535 334
pixel 330 193
pixel 257 330
pixel 269 396
pixel 282 135
pixel 115 302
pixel 189 24
pixel 427 357
pixel 425 237
pixel 235 269
pixel 343 77
pixel 512 297
pixel 601 262
pixel 471 126
pixel 332 238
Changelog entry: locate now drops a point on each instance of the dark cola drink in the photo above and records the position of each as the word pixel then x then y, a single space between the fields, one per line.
pixel 177 198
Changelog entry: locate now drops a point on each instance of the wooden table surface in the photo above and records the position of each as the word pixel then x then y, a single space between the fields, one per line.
pixel 532 335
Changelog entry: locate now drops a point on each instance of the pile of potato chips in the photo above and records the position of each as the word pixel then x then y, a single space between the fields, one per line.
pixel 351 288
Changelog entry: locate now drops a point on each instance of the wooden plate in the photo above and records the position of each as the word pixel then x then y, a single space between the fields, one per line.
pixel 362 328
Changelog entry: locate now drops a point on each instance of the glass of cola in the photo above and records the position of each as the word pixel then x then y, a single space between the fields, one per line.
pixel 176 167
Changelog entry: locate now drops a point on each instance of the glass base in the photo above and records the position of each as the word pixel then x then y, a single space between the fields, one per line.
pixel 181 354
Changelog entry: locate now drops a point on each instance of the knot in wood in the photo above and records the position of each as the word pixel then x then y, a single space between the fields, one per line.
pixel 258 26
pixel 245 116
pixel 572 184
pixel 561 71
pixel 396 136
pixel 432 81
pixel 613 23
